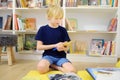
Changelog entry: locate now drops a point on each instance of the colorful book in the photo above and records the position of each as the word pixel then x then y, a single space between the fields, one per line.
pixel 30 24
pixel 104 73
pixel 96 47
pixel 113 24
pixel 71 24
pixel 30 42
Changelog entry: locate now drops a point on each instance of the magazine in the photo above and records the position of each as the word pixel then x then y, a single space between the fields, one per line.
pixel 66 76
pixel 104 73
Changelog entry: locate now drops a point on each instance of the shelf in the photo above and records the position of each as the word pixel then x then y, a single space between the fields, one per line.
pixel 92 8
pixel 30 9
pixel 93 31
pixel 26 32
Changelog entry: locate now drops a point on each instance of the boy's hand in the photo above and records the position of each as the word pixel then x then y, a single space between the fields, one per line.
pixel 63 46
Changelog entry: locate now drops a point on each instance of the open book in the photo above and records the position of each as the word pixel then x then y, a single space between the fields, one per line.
pixel 104 73
pixel 66 76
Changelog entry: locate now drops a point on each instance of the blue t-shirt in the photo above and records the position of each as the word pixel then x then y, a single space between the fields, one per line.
pixel 49 35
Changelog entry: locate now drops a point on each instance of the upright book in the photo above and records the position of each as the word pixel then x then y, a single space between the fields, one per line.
pixel 1 22
pixel 96 47
pixel 30 42
pixel 104 73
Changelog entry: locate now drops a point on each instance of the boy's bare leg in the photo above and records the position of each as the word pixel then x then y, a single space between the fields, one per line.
pixel 43 66
pixel 66 67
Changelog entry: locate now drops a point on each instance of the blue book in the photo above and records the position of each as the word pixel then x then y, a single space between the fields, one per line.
pixel 106 73
pixel 1 22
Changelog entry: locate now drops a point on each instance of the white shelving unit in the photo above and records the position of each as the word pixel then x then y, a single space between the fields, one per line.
pixel 89 18
pixel 92 23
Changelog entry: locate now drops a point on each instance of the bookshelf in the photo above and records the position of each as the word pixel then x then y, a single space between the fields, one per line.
pixel 92 22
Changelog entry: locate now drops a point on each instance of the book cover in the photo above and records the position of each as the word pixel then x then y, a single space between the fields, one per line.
pixel 8 23
pixel 30 42
pixel 96 47
pixel 20 43
pixel 104 73
pixel 80 47
pixel 113 24
pixel 47 3
pixel 1 22
pixel 71 24
pixel 3 3
pixel 66 76
pixel 92 2
pixel 30 24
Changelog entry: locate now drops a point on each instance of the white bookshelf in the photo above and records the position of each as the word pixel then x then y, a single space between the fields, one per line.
pixel 92 23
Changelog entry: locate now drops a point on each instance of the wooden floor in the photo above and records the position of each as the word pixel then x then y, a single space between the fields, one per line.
pixel 22 67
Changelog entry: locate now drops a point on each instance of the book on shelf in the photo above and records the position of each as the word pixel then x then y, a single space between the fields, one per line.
pixel 1 22
pixel 6 4
pixel 20 44
pixel 3 3
pixel 110 48
pixel 16 22
pixel 8 23
pixel 99 47
pixel 30 23
pixel 80 47
pixel 96 47
pixel 77 47
pixel 112 24
pixel 47 3
pixel 92 2
pixel 71 24
pixel 104 73
pixel 30 42
pixel 71 3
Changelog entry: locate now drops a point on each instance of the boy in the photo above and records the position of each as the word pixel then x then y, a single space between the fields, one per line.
pixel 51 38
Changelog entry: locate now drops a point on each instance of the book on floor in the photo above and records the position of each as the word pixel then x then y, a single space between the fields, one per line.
pixel 66 76
pixel 104 73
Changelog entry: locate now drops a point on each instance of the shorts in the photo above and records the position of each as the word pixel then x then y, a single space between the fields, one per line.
pixel 56 61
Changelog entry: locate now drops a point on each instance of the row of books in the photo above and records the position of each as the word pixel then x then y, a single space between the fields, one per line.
pixel 77 3
pixel 26 42
pixel 24 23
pixel 8 23
pixel 6 4
pixel 37 3
pixel 29 23
pixel 99 47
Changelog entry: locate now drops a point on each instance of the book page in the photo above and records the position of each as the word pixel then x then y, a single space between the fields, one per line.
pixel 111 76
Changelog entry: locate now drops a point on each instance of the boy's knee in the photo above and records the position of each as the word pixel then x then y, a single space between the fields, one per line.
pixel 42 68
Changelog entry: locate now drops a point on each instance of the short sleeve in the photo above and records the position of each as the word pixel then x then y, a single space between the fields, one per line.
pixel 66 36
pixel 39 35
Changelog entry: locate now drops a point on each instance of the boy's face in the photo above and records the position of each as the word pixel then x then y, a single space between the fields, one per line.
pixel 55 21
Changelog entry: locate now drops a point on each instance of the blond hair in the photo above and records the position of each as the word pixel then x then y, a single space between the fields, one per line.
pixel 55 11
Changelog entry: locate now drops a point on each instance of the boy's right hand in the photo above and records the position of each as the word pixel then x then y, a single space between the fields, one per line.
pixel 60 46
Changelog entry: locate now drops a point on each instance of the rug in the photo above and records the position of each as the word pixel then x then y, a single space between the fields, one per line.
pixel 35 75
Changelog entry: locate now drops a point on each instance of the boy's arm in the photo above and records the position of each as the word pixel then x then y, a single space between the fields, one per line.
pixel 40 46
